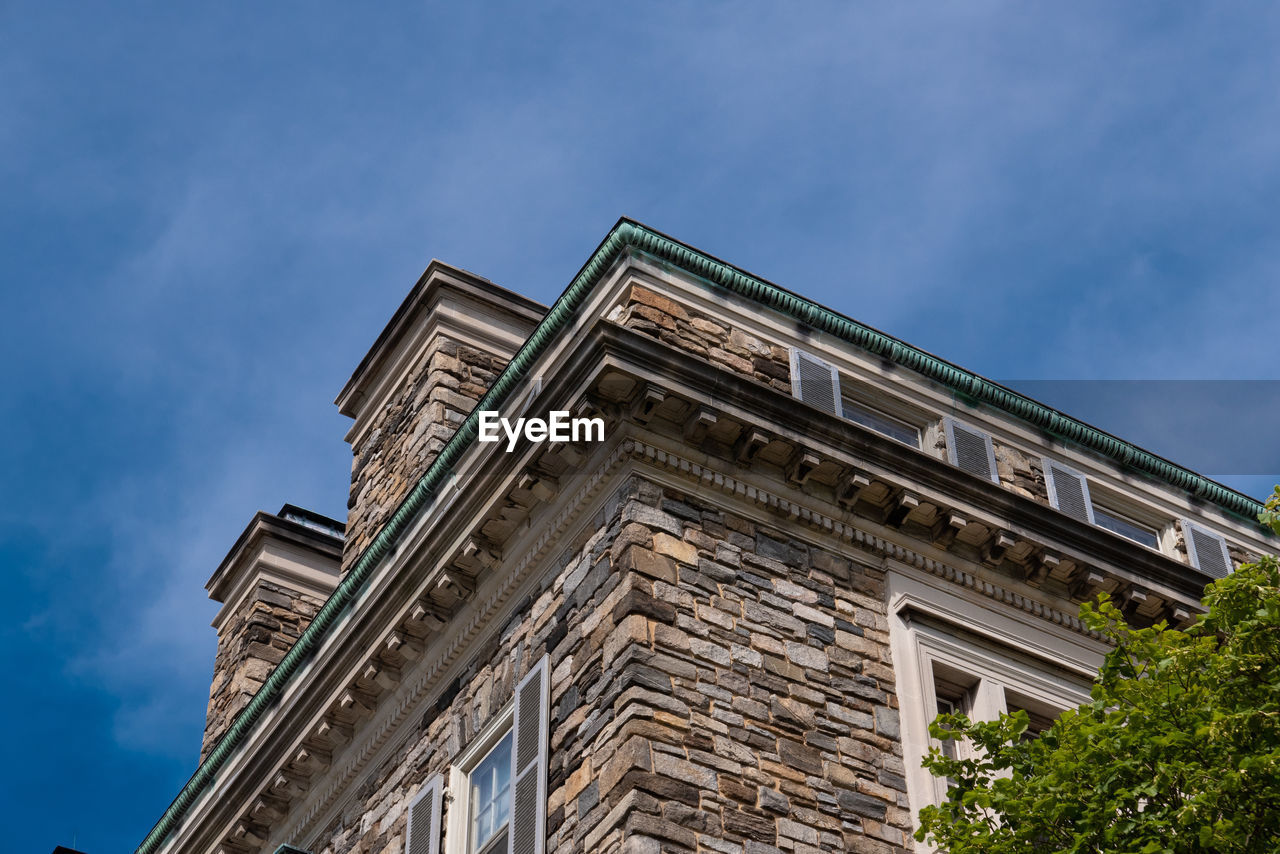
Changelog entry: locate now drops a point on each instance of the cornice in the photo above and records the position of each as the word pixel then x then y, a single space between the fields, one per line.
pixel 484 307
pixel 248 556
pixel 911 472
pixel 385 734
pixel 812 515
pixel 965 383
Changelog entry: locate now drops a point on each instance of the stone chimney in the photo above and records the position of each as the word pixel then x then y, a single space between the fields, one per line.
pixel 271 584
pixel 443 348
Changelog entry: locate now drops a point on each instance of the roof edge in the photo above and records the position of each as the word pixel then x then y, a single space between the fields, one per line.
pixel 437 276
pixel 958 379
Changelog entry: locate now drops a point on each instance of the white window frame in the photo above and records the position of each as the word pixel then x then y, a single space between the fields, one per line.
pixel 1126 508
pixel 1120 516
pixel 1002 649
pixel 457 838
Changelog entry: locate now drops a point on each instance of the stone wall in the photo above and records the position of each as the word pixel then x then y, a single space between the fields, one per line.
pixel 571 618
pixel 441 390
pixel 764 717
pixel 251 643
pixel 1022 473
pixel 715 687
pixel 710 338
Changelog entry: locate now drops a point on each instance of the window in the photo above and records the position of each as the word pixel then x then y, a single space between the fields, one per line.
pixel 1068 490
pixel 479 820
pixel 815 382
pixel 490 800
pixel 498 783
pixel 984 679
pixel 881 423
pixel 953 653
pixel 1041 714
pixel 1116 523
pixel 947 707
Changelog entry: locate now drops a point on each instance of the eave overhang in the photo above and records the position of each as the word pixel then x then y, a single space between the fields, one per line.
pixel 856 453
pixel 265 526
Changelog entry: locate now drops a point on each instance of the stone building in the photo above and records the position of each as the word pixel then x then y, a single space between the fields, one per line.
pixel 721 627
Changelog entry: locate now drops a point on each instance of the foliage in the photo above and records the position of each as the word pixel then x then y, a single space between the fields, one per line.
pixel 1271 515
pixel 1177 753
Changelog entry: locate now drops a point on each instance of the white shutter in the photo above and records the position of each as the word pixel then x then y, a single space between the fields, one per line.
pixel 529 762
pixel 1068 490
pixel 971 450
pixel 815 382
pixel 423 835
pixel 1207 550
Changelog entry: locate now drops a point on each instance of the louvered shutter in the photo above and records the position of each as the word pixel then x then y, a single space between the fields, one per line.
pixel 1207 550
pixel 1068 490
pixel 529 762
pixel 424 819
pixel 971 450
pixel 815 382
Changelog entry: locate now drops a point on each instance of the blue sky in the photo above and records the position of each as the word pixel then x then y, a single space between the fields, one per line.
pixel 209 212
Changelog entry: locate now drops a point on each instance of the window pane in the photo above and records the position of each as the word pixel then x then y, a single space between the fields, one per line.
pixel 890 427
pixel 946 707
pixel 1124 527
pixel 491 794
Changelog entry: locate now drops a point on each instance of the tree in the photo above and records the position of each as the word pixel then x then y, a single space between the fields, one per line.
pixel 1178 751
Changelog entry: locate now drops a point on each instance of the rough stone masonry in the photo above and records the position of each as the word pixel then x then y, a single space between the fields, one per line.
pixel 717 687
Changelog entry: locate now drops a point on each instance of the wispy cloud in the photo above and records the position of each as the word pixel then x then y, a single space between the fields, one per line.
pixel 207 222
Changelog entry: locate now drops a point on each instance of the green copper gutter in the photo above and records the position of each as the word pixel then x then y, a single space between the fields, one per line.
pixel 631 235
pixel 964 383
